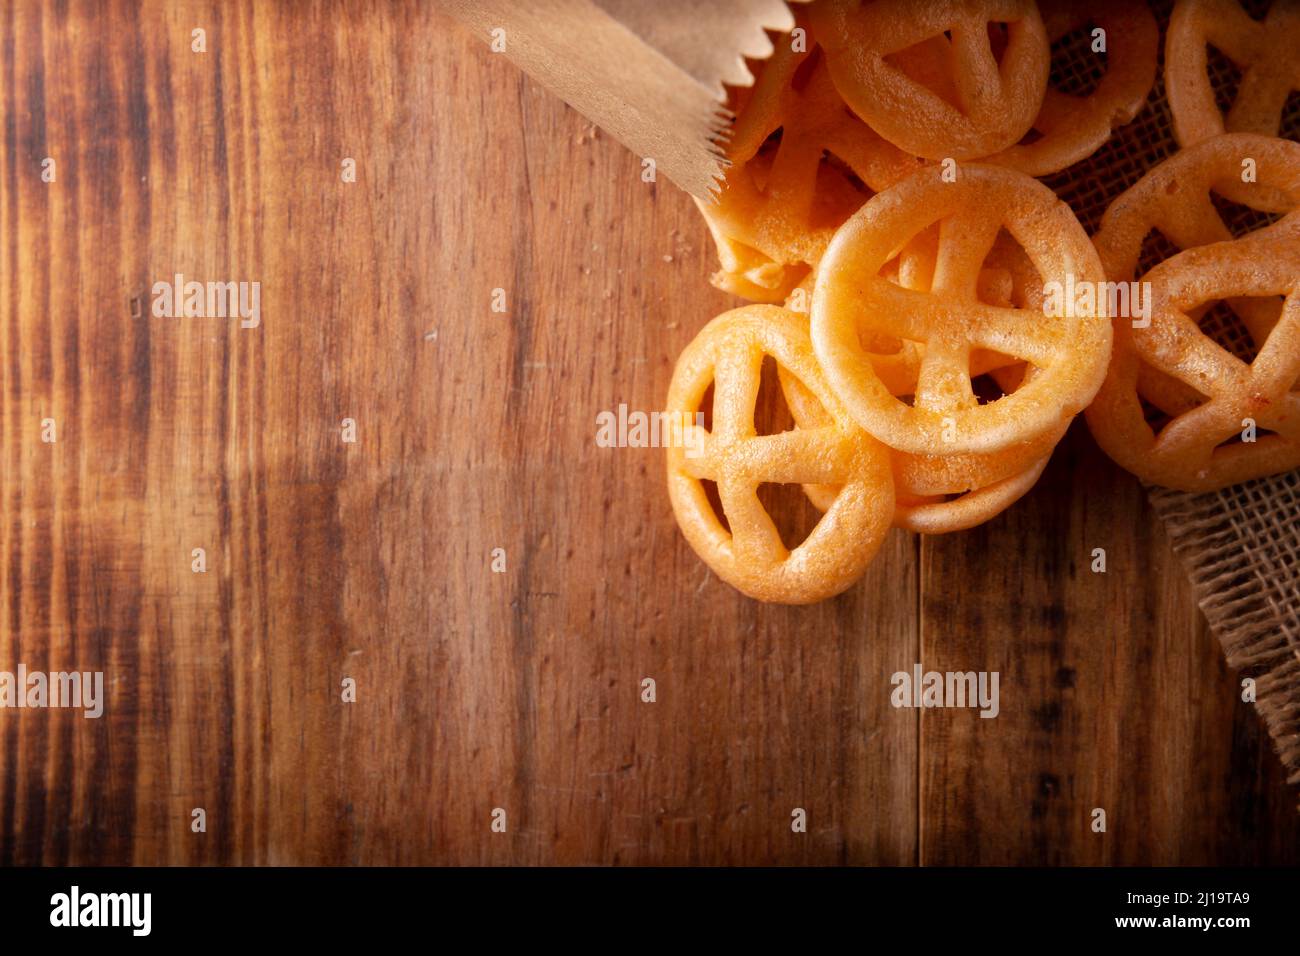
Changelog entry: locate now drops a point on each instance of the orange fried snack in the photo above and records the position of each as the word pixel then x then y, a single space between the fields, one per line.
pixel 1243 420
pixel 925 485
pixel 973 106
pixel 748 553
pixel 941 493
pixel 768 240
pixel 1072 128
pixel 1068 354
pixel 939 515
pixel 780 205
pixel 795 95
pixel 1175 200
pixel 1265 52
pixel 1007 277
pixel 1174 197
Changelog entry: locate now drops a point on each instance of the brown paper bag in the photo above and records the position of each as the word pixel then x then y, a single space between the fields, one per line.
pixel 648 72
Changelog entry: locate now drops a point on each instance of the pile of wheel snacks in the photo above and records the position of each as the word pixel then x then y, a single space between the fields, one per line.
pixel 938 316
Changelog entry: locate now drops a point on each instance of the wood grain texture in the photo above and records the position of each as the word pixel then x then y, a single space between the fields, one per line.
pixel 475 431
pixel 1114 694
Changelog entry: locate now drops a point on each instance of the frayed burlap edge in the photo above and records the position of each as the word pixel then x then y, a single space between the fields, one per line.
pixel 1241 550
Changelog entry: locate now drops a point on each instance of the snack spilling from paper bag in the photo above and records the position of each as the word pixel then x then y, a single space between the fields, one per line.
pixel 938 316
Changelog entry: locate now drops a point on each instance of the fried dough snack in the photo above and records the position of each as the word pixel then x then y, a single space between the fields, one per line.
pixel 938 515
pixel 779 207
pixel 1072 128
pixel 1175 200
pixel 1195 451
pixel 990 104
pixel 983 485
pixel 1004 278
pixel 749 554
pixel 1069 354
pixel 1265 52
pixel 748 226
pixel 1172 366
pixel 927 482
pixel 1174 197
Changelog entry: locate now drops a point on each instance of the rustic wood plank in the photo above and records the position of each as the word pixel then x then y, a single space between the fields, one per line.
pixel 1114 694
pixel 372 560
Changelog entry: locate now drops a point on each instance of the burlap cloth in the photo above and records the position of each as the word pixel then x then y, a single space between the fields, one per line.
pixel 1240 546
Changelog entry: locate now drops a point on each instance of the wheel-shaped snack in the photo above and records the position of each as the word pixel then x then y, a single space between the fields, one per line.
pixel 778 208
pixel 940 493
pixel 1072 128
pixel 996 101
pixel 1265 51
pixel 1007 278
pixel 768 240
pixel 1231 420
pixel 1068 353
pixel 940 515
pixel 936 494
pixel 795 94
pixel 749 554
pixel 1175 199
pixel 742 269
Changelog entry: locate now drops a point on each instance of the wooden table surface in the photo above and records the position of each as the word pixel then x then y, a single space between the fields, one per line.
pixel 475 430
